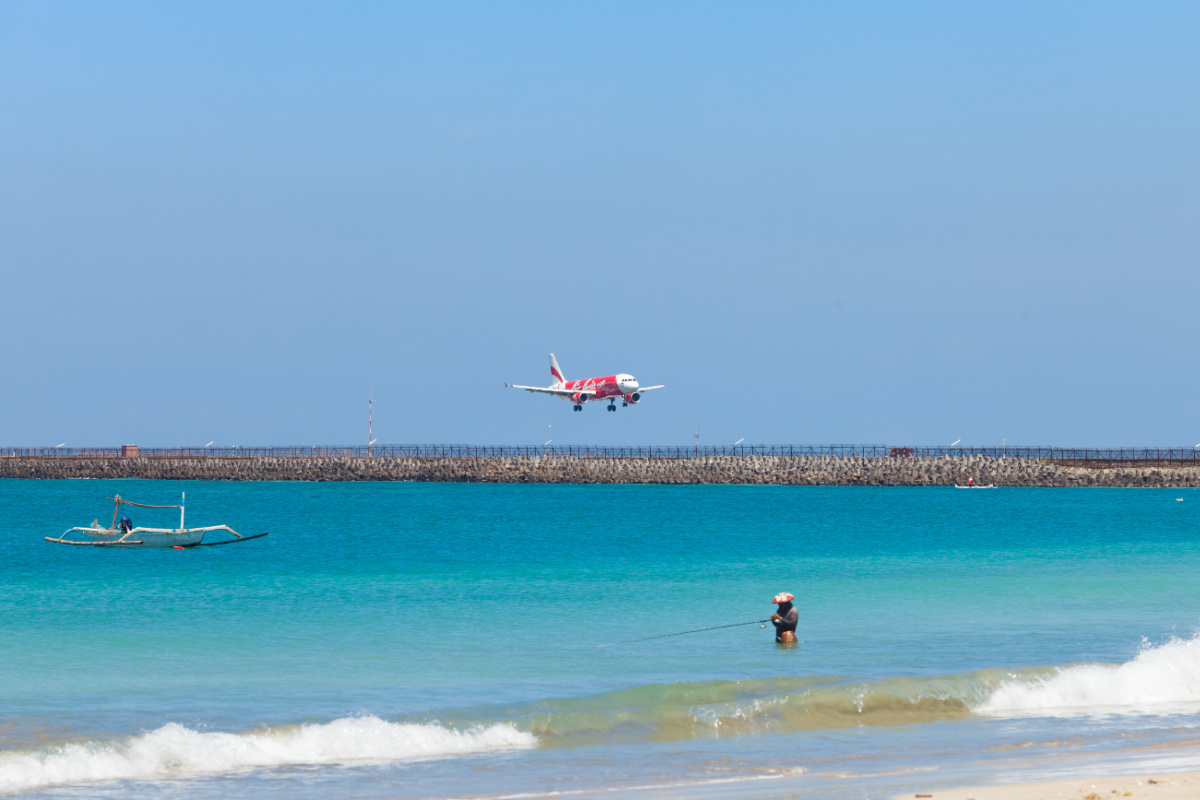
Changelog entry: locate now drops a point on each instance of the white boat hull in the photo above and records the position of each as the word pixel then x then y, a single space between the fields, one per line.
pixel 145 539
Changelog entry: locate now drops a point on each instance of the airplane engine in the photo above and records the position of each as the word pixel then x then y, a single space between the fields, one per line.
pixel 581 398
pixel 632 397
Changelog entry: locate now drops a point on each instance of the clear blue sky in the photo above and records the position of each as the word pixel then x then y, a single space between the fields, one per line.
pixel 816 222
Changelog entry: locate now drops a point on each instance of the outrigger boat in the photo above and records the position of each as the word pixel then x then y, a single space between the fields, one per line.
pixel 123 534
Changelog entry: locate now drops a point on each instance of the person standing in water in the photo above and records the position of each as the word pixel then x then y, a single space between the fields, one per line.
pixel 785 618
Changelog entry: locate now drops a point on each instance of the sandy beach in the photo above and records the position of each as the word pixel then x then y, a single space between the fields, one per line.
pixel 1162 786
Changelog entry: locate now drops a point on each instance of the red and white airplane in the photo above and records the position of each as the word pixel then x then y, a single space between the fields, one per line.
pixel 589 390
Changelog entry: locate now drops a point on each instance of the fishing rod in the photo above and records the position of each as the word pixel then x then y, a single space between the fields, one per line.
pixel 762 622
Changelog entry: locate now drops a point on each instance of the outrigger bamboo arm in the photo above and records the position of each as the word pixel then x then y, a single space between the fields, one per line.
pixel 92 544
pixel 219 528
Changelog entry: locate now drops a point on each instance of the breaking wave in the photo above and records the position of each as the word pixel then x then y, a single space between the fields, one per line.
pixel 720 709
pixel 174 751
pixel 1160 679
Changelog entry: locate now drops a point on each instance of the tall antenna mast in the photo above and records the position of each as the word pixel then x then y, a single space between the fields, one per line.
pixel 370 419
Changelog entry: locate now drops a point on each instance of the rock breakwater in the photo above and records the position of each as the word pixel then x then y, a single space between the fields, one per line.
pixel 767 470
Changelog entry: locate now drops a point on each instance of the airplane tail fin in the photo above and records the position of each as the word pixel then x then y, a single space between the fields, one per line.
pixel 559 380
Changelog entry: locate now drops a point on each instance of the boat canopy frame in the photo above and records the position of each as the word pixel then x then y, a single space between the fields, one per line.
pixel 118 501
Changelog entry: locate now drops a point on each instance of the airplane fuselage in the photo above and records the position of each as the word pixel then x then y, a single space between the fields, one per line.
pixel 588 390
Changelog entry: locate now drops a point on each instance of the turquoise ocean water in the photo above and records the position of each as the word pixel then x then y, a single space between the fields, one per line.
pixel 424 640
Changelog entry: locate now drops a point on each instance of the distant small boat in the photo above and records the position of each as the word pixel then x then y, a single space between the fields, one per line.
pixel 975 486
pixel 123 534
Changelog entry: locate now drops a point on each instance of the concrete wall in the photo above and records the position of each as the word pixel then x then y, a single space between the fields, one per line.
pixel 808 471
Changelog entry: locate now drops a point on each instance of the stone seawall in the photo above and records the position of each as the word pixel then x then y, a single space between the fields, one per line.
pixel 798 471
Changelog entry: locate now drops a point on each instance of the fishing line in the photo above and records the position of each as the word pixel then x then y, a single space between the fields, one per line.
pixel 698 630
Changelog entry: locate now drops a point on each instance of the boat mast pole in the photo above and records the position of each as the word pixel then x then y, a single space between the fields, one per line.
pixel 370 420
pixel 182 500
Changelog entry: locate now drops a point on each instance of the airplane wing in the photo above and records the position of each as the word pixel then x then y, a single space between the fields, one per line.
pixel 648 388
pixel 549 390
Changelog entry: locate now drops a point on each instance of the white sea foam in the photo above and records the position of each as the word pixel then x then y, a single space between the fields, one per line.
pixel 1160 679
pixel 174 751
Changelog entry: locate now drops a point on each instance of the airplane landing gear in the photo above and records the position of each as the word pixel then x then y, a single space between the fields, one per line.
pixel 624 405
pixel 612 406
pixel 579 408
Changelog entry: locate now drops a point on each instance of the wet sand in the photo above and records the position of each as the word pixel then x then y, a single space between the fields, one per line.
pixel 1161 786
